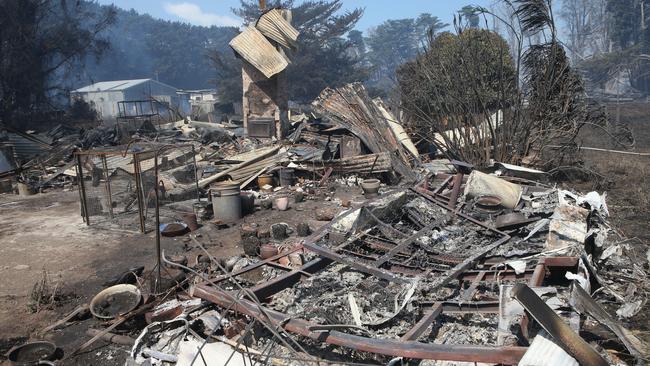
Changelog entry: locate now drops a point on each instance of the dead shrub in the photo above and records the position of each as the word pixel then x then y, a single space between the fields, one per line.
pixel 45 294
pixel 452 90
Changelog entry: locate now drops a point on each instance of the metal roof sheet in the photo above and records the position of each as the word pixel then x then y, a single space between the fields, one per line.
pixel 26 148
pixel 543 351
pixel 253 47
pixel 116 85
pixel 274 26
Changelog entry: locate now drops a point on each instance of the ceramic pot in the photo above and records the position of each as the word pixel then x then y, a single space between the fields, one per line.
pixel 282 203
pixel 268 250
pixel 370 187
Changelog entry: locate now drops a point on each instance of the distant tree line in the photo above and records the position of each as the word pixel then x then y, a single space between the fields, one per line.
pixel 141 46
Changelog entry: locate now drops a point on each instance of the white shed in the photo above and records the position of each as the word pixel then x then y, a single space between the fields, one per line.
pixel 104 96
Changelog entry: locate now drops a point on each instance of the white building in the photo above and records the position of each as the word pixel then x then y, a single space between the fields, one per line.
pixel 200 95
pixel 105 96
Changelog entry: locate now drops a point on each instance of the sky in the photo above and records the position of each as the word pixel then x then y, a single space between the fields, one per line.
pixel 218 12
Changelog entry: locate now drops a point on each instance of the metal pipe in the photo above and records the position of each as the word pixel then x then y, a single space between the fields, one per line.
pixel 139 190
pixel 76 170
pixel 80 180
pixel 196 175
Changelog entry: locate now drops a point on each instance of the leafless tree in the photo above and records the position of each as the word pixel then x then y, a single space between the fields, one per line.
pixel 586 27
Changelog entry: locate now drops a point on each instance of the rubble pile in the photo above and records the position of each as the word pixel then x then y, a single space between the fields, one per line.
pixel 345 245
pixel 430 263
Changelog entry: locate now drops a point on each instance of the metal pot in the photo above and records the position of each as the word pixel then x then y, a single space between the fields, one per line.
pixel 32 353
pixel 226 202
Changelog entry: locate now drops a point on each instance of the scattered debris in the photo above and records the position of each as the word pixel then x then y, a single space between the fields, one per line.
pixel 350 249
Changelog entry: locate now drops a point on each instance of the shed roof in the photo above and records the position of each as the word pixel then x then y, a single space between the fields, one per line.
pixel 116 85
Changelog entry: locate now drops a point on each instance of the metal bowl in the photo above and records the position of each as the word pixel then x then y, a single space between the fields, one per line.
pixel 114 301
pixel 489 203
pixel 31 353
pixel 173 229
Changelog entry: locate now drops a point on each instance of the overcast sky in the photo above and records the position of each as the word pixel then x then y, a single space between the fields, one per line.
pixel 218 12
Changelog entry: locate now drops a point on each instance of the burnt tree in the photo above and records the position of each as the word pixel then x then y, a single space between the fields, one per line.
pixel 39 41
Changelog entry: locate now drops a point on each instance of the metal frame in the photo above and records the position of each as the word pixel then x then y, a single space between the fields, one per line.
pixel 149 151
pixel 406 346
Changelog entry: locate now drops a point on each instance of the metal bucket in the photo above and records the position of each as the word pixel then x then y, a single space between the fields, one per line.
pixel 226 202
pixel 247 203
pixel 265 179
pixel 286 177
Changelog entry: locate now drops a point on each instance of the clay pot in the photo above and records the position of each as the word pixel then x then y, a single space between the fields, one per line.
pixel 251 245
pixel 284 261
pixel 295 259
pixel 268 250
pixel 370 187
pixel 303 229
pixel 248 230
pixel 282 203
pixel 265 179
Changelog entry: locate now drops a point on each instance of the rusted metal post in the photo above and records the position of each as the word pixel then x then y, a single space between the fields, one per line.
pixel 455 190
pixel 139 190
pixel 108 186
pixel 538 274
pixel 82 187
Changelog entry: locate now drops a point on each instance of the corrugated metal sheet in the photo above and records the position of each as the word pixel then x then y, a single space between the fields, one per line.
pixel 543 351
pixel 273 25
pixel 126 163
pixel 351 107
pixel 250 155
pixel 26 147
pixel 397 128
pixel 253 47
